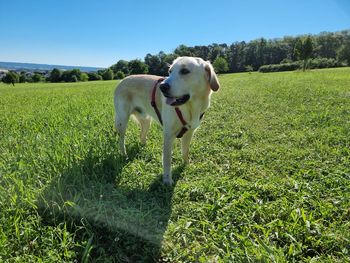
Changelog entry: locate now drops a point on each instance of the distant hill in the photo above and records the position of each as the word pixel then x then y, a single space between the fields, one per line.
pixel 42 67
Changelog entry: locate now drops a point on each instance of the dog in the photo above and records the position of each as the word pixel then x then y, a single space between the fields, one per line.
pixel 177 102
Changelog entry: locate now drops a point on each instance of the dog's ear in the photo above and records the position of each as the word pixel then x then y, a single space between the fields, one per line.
pixel 211 76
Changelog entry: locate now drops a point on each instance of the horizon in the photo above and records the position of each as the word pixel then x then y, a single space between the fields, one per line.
pixel 34 63
pixel 90 34
pixel 90 66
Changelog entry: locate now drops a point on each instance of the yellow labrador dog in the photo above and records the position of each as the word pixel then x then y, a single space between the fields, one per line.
pixel 177 102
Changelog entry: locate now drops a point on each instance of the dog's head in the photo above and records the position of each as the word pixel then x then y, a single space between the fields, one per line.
pixel 188 77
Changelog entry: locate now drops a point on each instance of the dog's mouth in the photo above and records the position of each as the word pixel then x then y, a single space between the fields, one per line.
pixel 176 101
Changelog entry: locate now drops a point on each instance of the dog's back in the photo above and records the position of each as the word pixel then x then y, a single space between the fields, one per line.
pixel 133 95
pixel 135 85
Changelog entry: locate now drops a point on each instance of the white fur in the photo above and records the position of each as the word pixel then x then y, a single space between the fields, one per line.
pixel 133 96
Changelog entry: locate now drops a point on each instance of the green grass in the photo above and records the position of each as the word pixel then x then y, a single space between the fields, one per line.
pixel 269 179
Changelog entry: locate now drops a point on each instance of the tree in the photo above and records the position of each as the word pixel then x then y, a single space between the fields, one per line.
pixel 11 78
pixel 216 50
pixel 327 45
pixel 303 49
pixel 94 76
pixel 154 64
pixel 242 56
pixel 159 64
pixel 167 60
pixel 55 75
pixel 108 74
pixel 22 77
pixel 120 75
pixel 37 77
pixel 121 65
pixel 136 66
pixel 344 53
pixel 220 65
pixel 183 50
pixel 249 69
pixel 202 52
pixel 84 77
pixel 73 78
pixel 75 75
pixel 66 77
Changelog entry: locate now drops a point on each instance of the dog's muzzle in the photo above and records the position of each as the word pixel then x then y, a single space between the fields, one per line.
pixel 170 100
pixel 176 101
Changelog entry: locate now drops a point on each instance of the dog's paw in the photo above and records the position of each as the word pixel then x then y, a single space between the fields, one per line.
pixel 167 180
pixel 125 157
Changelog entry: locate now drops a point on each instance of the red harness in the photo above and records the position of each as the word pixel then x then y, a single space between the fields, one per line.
pixel 177 110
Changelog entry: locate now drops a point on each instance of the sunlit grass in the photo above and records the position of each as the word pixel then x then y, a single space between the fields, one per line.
pixel 269 178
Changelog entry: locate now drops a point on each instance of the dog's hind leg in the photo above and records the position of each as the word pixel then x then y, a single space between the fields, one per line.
pixel 122 114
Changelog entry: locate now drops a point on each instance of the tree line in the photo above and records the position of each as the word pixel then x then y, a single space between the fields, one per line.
pixel 327 49
pixel 57 75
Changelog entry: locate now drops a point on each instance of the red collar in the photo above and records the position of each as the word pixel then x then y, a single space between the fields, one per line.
pixel 177 110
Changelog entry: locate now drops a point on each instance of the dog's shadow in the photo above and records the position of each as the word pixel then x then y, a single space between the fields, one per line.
pixel 112 222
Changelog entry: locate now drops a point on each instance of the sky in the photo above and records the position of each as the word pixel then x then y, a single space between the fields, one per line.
pixel 101 32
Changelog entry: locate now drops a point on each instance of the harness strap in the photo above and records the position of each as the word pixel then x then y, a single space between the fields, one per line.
pixel 153 100
pixel 177 110
pixel 183 122
pixel 180 116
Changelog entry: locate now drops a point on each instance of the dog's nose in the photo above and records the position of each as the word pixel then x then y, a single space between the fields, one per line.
pixel 164 87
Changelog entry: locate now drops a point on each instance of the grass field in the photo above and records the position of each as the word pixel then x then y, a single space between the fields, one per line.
pixel 269 179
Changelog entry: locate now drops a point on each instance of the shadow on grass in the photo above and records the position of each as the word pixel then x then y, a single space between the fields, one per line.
pixel 113 223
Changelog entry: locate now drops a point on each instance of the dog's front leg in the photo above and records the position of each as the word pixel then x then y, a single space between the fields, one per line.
pixel 167 150
pixel 185 145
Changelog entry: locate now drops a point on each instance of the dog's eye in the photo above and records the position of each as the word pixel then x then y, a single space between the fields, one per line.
pixel 184 71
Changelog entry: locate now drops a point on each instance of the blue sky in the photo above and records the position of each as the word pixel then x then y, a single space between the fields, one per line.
pixel 100 32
